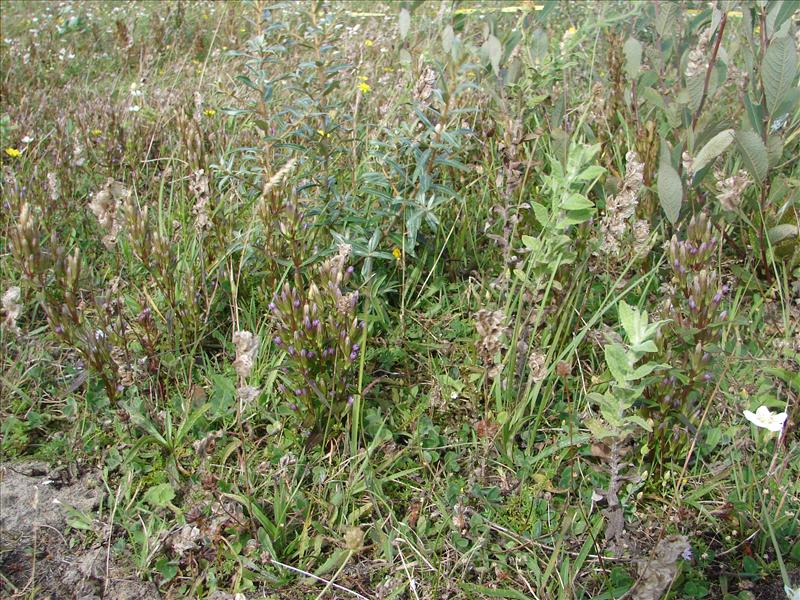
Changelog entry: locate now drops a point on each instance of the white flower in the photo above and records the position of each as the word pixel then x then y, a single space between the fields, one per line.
pixel 134 109
pixel 27 139
pixel 764 418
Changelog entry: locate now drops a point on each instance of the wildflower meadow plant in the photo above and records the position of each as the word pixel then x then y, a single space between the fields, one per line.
pixel 318 330
pixel 764 418
pixel 695 308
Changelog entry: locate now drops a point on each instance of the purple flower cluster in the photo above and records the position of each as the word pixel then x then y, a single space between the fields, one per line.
pixel 317 327
pixel 695 307
pixel 698 294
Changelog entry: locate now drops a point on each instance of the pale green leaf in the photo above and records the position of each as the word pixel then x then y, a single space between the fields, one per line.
pixel 774 150
pixel 640 422
pixel 404 22
pixel 618 362
pixel 576 202
pixel 754 154
pixel 781 232
pixel 713 148
pixel 670 191
pixel 494 51
pixel 633 58
pixel 778 71
pixel 160 495
pixel 667 17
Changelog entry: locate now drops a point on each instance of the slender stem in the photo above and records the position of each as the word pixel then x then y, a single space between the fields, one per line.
pixel 710 68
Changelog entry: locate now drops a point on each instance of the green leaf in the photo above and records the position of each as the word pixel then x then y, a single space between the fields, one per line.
pixel 576 202
pixel 640 422
pixel 646 369
pixel 667 17
pixel 494 51
pixel 781 232
pixel 778 71
pixel 618 362
pixel 774 150
pixel 631 321
pixel 541 213
pixel 404 22
pixel 633 58
pixel 160 495
pixel 670 191
pixel 599 429
pixel 591 172
pixel 754 154
pixel 713 148
pixel 694 87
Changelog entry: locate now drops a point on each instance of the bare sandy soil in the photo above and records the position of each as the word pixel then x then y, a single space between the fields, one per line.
pixel 38 556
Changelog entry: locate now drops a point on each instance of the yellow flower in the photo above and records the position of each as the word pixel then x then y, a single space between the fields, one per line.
pixel 322 134
pixel 364 87
pixel 209 112
pixel 397 253
pixel 13 152
pixel 96 133
pixel 369 43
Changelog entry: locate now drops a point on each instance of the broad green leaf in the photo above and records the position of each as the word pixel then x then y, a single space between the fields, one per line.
pixel 633 58
pixel 541 213
pixel 713 148
pixel 774 150
pixel 631 320
pixel 781 232
pixel 494 51
pixel 404 22
pixel 667 17
pixel 160 495
pixel 778 71
pixel 590 172
pixel 694 86
pixel 618 362
pixel 646 369
pixel 576 202
pixel 754 154
pixel 599 429
pixel 670 191
pixel 646 346
pixel 640 422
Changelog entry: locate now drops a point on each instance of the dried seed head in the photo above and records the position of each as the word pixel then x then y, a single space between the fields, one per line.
pixel 12 309
pixel 537 363
pixel 246 350
pixel 492 330
pixel 731 189
pixel 354 539
pixel 106 205
pixel 620 209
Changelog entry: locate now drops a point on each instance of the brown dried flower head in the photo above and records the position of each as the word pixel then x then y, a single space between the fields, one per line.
pixel 246 350
pixel 12 309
